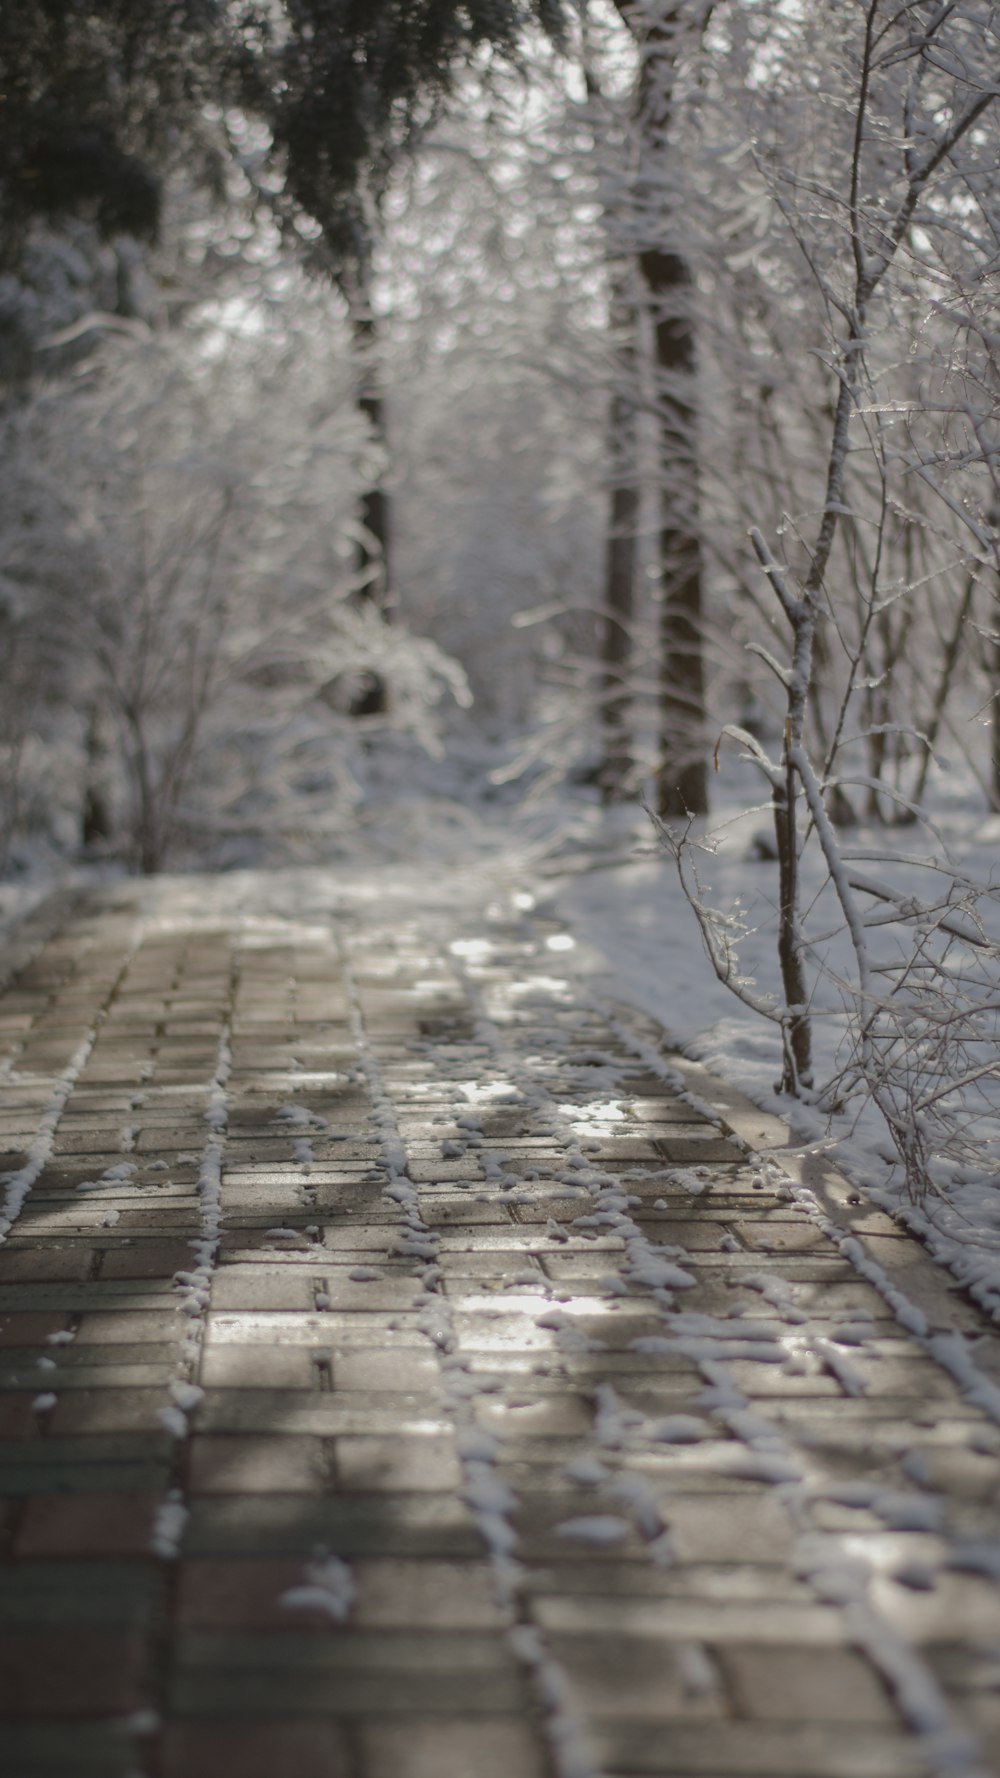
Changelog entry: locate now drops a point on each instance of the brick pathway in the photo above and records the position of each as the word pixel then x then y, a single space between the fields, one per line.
pixel 398 1379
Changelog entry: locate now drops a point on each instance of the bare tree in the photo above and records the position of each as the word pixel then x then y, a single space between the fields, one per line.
pixel 664 34
pixel 620 550
pixel 884 201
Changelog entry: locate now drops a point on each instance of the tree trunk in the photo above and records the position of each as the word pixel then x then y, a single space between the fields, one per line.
pixel 662 34
pixel 372 553
pixel 95 818
pixel 683 774
pixel 619 560
pixel 148 839
pixel 797 1030
pixel 993 651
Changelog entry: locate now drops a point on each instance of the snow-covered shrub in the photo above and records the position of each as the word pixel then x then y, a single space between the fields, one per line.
pixel 925 1048
pixel 178 532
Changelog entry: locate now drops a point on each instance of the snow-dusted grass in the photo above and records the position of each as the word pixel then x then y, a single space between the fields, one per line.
pixel 640 940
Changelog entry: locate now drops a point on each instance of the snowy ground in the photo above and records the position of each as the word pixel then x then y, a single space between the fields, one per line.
pixel 638 937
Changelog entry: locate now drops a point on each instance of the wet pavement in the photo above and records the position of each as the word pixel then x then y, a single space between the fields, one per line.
pixel 401 1376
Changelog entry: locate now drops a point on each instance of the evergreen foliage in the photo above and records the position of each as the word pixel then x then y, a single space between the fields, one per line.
pixel 97 101
pixel 347 86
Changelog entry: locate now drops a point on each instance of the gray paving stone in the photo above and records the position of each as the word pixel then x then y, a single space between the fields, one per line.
pixel 957 1606
pixel 797 1685
pixel 353 1329
pixel 258 1367
pixel 158 1324
pixel 77 1376
pixel 691 1619
pixel 763 1585
pixel 341 1414
pixel 277 1464
pixel 728 1750
pixel 395 1463
pixel 256 1287
pixel 400 1594
pixel 372 1369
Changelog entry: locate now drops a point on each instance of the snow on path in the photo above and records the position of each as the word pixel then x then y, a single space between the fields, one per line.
pixel 492 1502
pixel 17 1183
pixel 824 1560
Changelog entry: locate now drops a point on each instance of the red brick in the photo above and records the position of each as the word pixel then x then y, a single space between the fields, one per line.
pixel 30 1327
pixel 271 1749
pixel 41 1265
pixel 51 1672
pixel 215 1594
pixel 8 1519
pixel 17 1416
pixel 88 1525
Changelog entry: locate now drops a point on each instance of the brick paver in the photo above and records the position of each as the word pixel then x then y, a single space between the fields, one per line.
pixel 399 1378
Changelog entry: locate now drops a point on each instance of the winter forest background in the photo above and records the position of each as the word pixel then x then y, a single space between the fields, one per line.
pixel 422 422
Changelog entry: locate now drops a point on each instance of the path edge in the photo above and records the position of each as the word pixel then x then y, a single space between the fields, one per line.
pixel 29 931
pixel 946 1301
